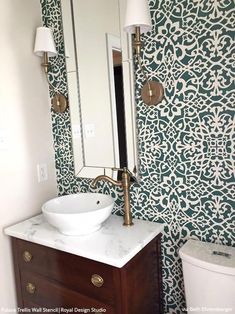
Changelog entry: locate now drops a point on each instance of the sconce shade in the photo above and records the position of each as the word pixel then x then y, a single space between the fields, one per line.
pixel 137 14
pixel 44 42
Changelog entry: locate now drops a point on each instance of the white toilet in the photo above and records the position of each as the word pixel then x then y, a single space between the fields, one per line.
pixel 209 277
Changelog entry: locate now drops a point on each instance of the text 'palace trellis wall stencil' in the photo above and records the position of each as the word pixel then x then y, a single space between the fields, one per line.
pixel 185 143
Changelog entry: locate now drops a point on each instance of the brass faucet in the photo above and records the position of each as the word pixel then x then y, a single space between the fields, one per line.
pixel 125 183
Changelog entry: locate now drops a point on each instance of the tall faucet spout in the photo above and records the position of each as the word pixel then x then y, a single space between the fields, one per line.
pixel 105 178
pixel 125 183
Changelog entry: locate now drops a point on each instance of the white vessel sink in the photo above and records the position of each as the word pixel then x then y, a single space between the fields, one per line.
pixel 78 214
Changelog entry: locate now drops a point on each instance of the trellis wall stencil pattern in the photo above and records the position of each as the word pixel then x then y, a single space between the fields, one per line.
pixel 186 152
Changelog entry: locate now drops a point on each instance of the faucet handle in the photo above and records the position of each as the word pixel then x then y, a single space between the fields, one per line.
pixel 125 169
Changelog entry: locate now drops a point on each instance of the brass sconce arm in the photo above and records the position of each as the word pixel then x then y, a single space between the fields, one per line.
pixel 137 41
pixel 45 63
pixel 152 92
pixel 59 102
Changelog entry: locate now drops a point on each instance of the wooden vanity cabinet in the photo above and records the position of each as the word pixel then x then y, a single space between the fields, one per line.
pixel 47 278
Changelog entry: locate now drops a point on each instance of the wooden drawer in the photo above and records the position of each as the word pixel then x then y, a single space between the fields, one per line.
pixel 51 295
pixel 67 269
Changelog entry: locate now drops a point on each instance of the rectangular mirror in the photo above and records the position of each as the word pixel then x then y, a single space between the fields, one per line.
pixel 100 87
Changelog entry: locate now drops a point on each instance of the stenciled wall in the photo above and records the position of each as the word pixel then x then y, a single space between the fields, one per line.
pixel 186 154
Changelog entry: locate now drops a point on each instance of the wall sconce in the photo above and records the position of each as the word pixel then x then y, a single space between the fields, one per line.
pixel 45 47
pixel 138 21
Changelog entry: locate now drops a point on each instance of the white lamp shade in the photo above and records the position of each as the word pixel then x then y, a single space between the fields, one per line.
pixel 44 42
pixel 137 14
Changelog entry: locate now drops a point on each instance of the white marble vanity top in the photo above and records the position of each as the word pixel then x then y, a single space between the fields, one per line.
pixel 113 244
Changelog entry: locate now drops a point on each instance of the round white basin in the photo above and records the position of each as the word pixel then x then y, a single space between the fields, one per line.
pixel 78 214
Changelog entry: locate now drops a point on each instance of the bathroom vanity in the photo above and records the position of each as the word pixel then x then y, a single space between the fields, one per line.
pixel 115 270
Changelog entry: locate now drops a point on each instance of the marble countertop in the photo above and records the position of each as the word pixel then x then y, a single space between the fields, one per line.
pixel 113 244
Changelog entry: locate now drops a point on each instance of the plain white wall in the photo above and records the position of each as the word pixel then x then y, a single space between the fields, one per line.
pixel 25 119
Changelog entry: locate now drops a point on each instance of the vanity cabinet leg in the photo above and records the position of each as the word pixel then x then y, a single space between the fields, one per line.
pixel 17 273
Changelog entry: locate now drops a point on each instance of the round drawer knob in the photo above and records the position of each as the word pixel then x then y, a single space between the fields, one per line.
pixel 97 280
pixel 27 256
pixel 30 288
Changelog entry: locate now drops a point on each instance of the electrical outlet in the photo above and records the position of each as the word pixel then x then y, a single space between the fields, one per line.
pixel 42 172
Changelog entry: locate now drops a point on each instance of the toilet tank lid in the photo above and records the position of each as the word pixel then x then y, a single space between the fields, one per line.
pixel 214 257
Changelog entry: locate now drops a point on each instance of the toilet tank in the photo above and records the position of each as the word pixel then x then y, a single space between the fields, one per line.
pixel 209 277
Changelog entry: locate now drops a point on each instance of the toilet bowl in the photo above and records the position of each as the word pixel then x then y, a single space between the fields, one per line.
pixel 209 277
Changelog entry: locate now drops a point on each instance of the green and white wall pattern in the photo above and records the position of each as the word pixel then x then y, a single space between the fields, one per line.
pixel 186 142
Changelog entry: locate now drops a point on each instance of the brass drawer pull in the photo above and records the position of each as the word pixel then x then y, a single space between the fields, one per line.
pixel 30 288
pixel 27 256
pixel 97 280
